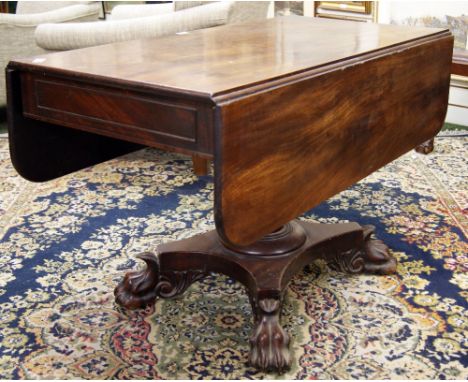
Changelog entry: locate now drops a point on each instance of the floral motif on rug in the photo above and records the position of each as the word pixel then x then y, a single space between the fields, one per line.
pixel 65 244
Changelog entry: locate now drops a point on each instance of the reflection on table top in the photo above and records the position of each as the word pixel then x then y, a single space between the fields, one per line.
pixel 216 60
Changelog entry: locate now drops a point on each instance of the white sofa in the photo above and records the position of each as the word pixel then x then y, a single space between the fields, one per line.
pixel 130 22
pixel 17 30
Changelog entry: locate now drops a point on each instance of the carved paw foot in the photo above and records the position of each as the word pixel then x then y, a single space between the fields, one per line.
pixel 269 342
pixel 377 258
pixel 138 288
pixel 141 288
pixel 426 147
pixel 372 257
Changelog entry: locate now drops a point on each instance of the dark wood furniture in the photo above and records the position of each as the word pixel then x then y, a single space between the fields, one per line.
pixel 460 62
pixel 285 108
pixel 460 68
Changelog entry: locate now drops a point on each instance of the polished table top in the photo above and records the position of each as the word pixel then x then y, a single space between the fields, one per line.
pixel 218 60
pixel 293 110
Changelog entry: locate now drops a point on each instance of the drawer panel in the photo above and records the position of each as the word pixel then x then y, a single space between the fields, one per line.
pixel 118 113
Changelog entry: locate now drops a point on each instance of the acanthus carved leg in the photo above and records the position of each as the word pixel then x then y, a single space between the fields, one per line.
pixel 269 342
pixel 138 288
pixel 265 268
pixel 141 288
pixel 372 257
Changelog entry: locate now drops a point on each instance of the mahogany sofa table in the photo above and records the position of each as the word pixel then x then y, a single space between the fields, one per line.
pixel 292 111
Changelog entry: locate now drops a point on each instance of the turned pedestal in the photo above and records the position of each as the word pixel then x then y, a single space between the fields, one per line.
pixel 264 268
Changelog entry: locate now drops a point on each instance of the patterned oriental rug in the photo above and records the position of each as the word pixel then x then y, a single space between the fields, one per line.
pixel 66 243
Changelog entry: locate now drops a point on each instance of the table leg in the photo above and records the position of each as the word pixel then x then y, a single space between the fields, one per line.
pixel 200 165
pixel 426 147
pixel 265 268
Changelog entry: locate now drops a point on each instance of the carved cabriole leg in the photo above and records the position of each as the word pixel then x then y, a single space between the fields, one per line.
pixel 371 257
pixel 141 288
pixel 265 268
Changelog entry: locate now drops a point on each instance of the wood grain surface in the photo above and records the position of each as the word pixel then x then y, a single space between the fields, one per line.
pixel 42 151
pixel 283 151
pixel 293 109
pixel 131 115
pixel 216 60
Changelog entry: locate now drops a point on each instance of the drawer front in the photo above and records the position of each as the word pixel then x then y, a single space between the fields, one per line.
pixel 119 113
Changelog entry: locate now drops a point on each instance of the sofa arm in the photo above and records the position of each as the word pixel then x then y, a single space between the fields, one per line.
pixel 129 11
pixel 74 36
pixel 67 13
pixel 17 31
pixel 243 11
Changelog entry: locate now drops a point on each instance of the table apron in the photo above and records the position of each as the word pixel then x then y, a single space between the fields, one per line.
pixel 143 118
